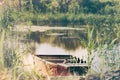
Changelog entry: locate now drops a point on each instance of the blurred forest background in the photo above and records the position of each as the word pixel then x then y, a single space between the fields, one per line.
pixel 101 18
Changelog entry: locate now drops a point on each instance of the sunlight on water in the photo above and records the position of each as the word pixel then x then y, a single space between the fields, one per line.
pixel 66 42
pixel 47 49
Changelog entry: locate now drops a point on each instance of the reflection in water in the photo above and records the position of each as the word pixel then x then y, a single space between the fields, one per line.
pixel 69 43
pixel 69 40
pixel 60 42
pixel 63 42
pixel 48 49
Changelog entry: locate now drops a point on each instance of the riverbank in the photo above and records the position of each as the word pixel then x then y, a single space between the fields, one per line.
pixel 25 28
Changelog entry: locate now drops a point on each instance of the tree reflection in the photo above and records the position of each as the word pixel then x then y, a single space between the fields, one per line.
pixel 67 39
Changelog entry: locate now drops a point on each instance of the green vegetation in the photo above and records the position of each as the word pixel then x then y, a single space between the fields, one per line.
pixel 101 19
pixel 73 12
pixel 62 12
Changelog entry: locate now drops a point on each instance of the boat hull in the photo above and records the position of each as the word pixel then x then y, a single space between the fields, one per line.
pixel 45 67
pixel 50 69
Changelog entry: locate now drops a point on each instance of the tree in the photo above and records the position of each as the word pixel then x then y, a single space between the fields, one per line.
pixel 53 6
pixel 74 7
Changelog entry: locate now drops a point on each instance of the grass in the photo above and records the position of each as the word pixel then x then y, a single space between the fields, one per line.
pixel 1 47
pixel 13 57
pixel 12 65
pixel 103 37
pixel 17 71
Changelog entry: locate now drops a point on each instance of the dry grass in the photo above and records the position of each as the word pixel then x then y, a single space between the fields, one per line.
pixel 4 75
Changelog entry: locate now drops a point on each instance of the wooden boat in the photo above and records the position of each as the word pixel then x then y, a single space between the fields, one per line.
pixel 60 65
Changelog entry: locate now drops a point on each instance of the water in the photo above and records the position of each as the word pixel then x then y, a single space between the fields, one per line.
pixel 60 42
pixel 64 41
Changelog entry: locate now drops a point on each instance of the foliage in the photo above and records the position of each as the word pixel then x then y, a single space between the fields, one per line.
pixel 1 48
pixel 103 15
pixel 110 54
pixel 62 12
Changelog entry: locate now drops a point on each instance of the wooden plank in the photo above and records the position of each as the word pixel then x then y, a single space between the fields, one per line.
pixel 74 64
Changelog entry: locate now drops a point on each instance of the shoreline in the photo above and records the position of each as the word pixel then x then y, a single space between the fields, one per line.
pixel 24 28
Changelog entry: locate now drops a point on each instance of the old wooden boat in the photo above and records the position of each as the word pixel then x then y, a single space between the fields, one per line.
pixel 61 65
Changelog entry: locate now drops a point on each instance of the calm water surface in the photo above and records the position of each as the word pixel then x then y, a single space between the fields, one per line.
pixel 62 42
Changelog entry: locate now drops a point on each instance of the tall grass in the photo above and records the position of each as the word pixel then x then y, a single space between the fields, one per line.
pixel 104 37
pixel 1 47
pixel 107 49
pixel 11 61
pixel 90 42
pixel 3 71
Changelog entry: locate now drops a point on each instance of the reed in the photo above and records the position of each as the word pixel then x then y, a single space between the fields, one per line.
pixel 103 34
pixel 1 47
